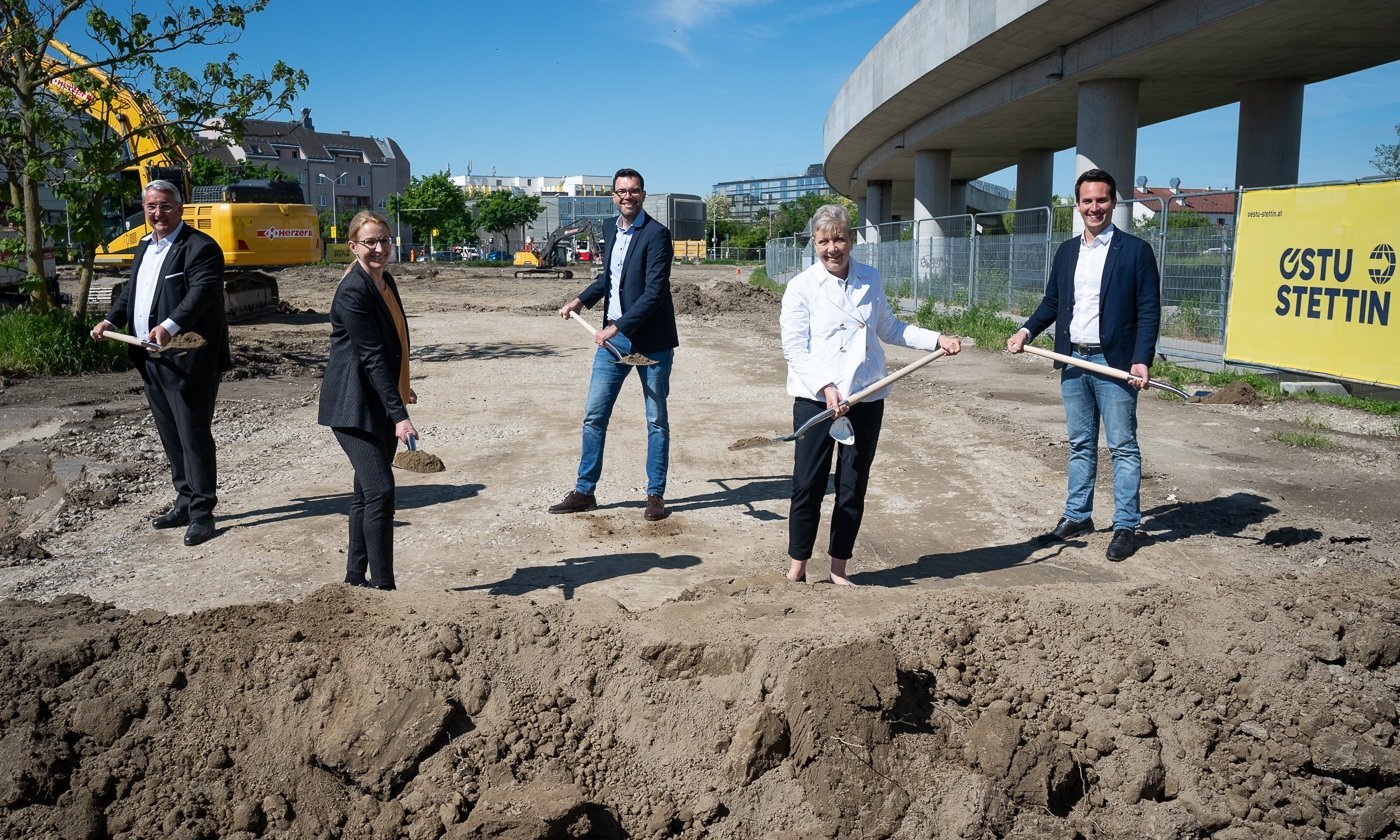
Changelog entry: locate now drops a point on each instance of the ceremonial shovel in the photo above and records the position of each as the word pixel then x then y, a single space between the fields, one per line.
pixel 635 359
pixel 851 400
pixel 150 346
pixel 1104 369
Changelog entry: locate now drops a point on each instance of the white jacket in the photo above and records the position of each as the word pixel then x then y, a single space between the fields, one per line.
pixel 832 329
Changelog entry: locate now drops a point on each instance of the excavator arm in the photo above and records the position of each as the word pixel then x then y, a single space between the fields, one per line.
pixel 550 262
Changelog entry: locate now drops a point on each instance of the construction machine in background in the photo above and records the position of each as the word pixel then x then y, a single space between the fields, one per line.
pixel 550 260
pixel 259 225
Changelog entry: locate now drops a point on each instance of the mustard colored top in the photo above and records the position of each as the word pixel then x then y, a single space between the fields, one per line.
pixel 401 327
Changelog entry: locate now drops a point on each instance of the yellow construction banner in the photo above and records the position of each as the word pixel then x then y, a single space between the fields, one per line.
pixel 1312 281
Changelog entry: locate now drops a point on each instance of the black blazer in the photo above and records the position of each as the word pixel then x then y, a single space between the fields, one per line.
pixel 1130 306
pixel 361 385
pixel 648 316
pixel 191 293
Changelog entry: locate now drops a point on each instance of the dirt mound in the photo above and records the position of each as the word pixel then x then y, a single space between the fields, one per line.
pixel 361 714
pixel 1238 392
pixel 418 461
pixel 723 297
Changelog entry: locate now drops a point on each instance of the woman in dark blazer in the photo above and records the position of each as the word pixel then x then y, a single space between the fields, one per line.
pixel 365 394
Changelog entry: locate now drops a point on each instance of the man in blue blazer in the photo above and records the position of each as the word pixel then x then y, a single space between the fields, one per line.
pixel 635 288
pixel 177 285
pixel 1103 298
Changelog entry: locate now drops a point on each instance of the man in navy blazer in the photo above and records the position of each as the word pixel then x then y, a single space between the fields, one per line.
pixel 1103 298
pixel 635 288
pixel 177 285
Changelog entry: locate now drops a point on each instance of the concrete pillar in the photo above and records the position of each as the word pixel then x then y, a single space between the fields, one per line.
pixel 877 205
pixel 957 197
pixel 863 214
pixel 1035 187
pixel 932 177
pixel 1271 129
pixel 1106 138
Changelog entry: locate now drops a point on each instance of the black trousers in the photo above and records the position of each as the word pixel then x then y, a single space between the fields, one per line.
pixel 811 469
pixel 372 509
pixel 185 419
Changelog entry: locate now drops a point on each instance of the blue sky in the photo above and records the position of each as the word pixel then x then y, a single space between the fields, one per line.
pixel 689 92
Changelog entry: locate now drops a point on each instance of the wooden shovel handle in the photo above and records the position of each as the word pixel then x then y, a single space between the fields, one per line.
pixel 130 339
pixel 1104 369
pixel 584 322
pixel 892 377
pixel 1087 365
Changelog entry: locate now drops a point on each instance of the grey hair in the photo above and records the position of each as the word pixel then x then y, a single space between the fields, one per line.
pixel 831 217
pixel 160 185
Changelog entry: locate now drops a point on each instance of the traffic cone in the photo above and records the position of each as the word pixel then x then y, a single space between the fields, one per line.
pixel 411 256
pixel 737 271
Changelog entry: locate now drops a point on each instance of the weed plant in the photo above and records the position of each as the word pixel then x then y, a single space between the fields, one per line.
pixel 1304 440
pixel 53 344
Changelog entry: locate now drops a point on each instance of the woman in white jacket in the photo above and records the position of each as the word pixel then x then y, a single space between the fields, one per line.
pixel 835 315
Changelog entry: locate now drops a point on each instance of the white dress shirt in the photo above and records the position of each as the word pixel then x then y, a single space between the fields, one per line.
pixel 832 329
pixel 1088 282
pixel 148 276
pixel 617 258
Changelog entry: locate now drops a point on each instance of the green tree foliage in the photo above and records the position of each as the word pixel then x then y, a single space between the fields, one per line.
pixel 1387 159
pixel 793 216
pixel 503 212
pixel 206 171
pixel 43 90
pixel 434 202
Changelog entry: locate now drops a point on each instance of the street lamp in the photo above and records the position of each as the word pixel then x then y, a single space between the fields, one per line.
pixel 334 218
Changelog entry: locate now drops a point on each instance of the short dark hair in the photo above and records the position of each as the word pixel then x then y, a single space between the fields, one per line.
pixel 629 173
pixel 1099 176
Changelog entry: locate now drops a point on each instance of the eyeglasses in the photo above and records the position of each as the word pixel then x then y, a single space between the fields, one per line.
pixel 164 208
pixel 381 242
pixel 629 192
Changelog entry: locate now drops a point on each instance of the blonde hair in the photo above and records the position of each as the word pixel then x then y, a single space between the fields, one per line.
pixel 363 218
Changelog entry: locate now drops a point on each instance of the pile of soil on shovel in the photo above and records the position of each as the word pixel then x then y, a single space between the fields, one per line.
pixel 1238 392
pixel 419 461
pixel 187 341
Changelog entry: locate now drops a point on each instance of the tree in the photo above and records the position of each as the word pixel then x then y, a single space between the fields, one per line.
pixel 58 110
pixel 503 212
pixel 1387 159
pixel 207 171
pixel 793 216
pixel 432 202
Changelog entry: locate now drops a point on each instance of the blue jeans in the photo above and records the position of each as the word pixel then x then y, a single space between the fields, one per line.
pixel 1089 397
pixel 603 388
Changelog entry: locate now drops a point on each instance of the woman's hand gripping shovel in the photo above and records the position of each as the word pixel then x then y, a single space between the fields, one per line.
pixel 842 433
pixel 634 359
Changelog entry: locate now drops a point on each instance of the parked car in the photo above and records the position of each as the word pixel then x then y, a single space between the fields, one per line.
pixel 445 256
pixel 471 252
pixel 500 255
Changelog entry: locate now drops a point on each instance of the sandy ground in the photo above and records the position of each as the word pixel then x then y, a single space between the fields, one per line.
pixel 1235 678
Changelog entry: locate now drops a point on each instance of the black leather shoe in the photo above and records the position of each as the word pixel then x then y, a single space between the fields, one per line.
pixel 1067 529
pixel 173 518
pixel 1122 546
pixel 656 509
pixel 200 530
pixel 575 502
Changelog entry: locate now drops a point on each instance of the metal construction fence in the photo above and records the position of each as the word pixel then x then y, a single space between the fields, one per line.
pixel 1002 260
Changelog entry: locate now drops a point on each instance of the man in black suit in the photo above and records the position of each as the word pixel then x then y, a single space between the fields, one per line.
pixel 1103 297
pixel 177 285
pixel 635 288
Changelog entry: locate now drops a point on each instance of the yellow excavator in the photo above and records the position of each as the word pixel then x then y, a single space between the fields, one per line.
pixel 550 261
pixel 258 224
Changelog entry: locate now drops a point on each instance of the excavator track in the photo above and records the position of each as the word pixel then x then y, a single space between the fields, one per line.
pixel 248 294
pixel 552 273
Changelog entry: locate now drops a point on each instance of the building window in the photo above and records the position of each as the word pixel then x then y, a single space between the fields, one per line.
pixel 321 201
pixel 360 180
pixel 340 182
pixel 383 202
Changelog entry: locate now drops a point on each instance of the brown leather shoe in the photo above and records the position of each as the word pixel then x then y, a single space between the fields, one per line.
pixel 575 502
pixel 656 509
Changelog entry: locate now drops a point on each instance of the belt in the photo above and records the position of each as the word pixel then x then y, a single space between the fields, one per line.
pixel 1087 349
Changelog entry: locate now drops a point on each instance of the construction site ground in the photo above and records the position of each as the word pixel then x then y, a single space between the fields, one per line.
pixel 598 675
